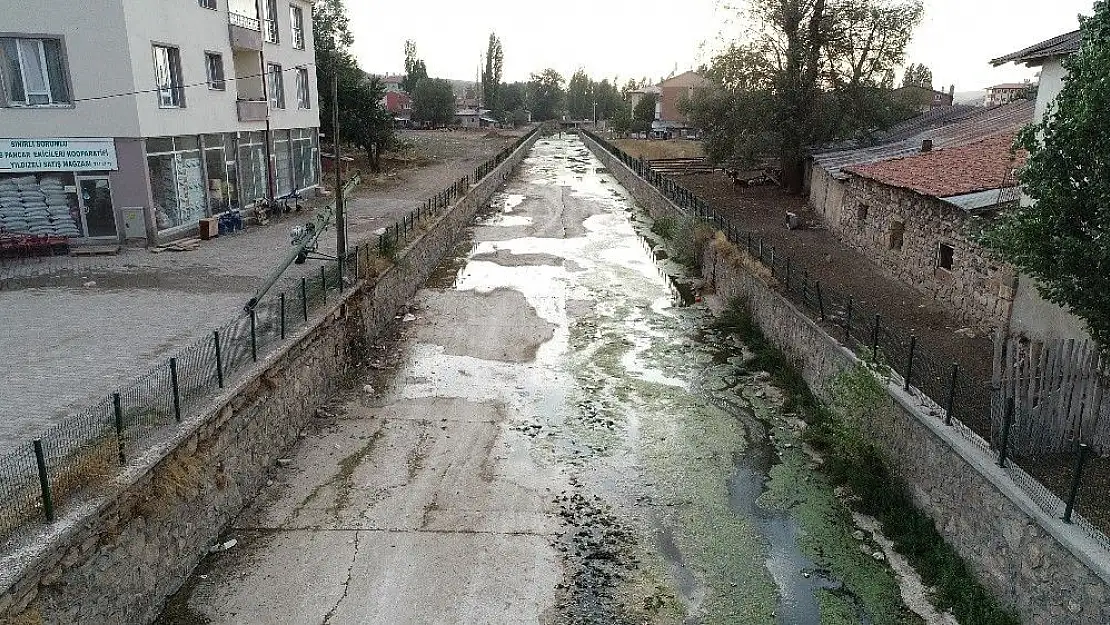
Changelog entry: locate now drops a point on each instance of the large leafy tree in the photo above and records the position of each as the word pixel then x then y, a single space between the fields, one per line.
pixel 1062 239
pixel 415 69
pixel 546 95
pixel 363 121
pixel 806 71
pixel 491 75
pixel 433 102
pixel 580 96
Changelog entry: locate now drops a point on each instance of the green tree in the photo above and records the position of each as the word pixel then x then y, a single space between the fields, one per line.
pixel 608 99
pixel 363 121
pixel 1061 238
pixel 433 102
pixel 918 75
pixel 644 112
pixel 807 71
pixel 546 95
pixel 491 75
pixel 580 96
pixel 415 70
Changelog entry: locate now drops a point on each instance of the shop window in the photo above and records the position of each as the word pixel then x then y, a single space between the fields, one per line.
pixel 283 165
pixel 276 86
pixel 208 4
pixel 305 173
pixel 253 184
pixel 167 71
pixel 44 204
pixel 214 64
pixel 177 181
pixel 303 101
pixel 897 233
pixel 220 173
pixel 945 254
pixel 296 18
pixel 34 72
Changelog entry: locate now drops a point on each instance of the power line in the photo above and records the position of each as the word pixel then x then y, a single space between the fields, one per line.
pixel 189 86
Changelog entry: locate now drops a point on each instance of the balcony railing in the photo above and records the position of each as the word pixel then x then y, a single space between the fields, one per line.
pixel 252 110
pixel 244 21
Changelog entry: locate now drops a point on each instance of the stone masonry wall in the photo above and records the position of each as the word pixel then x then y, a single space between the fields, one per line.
pixel 1048 571
pixel 979 288
pixel 117 559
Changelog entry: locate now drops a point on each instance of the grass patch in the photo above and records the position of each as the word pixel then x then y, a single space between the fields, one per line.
pixel 664 227
pixel 840 431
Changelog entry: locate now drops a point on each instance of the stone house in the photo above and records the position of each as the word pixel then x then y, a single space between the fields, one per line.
pixel 916 217
pixel 924 99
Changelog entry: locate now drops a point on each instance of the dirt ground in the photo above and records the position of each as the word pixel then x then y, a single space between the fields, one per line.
pixel 653 149
pixel 762 211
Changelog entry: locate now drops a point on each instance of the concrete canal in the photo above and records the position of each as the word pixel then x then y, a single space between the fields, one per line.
pixel 557 433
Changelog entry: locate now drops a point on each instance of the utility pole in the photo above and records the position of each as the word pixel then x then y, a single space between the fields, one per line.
pixel 340 214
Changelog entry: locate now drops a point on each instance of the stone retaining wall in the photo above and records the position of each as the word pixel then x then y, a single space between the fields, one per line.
pixel 1048 571
pixel 116 559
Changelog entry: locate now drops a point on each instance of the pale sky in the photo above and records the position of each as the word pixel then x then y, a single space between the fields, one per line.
pixel 636 38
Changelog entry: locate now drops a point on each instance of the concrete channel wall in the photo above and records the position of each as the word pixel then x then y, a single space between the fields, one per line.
pixel 1048 571
pixel 118 558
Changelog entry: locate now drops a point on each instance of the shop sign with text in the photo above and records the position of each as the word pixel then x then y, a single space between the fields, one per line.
pixel 32 155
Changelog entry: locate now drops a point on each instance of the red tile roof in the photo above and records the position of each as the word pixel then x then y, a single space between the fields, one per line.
pixel 978 166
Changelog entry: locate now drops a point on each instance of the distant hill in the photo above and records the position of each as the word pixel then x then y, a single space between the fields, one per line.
pixel 970 97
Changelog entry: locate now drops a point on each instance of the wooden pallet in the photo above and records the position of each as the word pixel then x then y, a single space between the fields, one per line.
pixel 190 244
pixel 94 250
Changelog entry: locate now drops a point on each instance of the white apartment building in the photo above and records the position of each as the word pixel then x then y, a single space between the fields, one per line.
pixel 134 119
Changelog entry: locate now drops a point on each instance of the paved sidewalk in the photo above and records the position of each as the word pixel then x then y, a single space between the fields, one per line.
pixel 72 329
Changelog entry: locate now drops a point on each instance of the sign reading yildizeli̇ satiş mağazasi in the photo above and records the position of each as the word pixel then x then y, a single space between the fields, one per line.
pixel 31 155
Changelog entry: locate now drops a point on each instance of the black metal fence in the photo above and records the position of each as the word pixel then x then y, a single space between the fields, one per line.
pixel 947 390
pixel 40 479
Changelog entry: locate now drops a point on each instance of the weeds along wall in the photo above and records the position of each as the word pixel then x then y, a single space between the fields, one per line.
pixel 118 557
pixel 1047 571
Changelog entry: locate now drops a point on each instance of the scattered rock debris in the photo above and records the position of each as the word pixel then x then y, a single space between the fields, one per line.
pixel 596 550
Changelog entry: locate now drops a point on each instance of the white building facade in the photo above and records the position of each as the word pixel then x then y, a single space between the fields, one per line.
pixel 134 119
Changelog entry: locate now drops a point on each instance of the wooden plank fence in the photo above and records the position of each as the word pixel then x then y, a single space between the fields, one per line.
pixel 1059 394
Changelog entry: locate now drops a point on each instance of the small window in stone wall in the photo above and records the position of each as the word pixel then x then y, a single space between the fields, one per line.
pixel 944 256
pixel 897 233
pixel 861 212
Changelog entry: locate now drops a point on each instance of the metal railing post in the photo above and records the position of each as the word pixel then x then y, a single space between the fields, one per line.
pixel 324 283
pixel 176 390
pixel 219 359
pixel 44 482
pixel 304 297
pixel 1076 480
pixel 789 272
pixel 254 336
pixel 281 297
pixel 117 406
pixel 820 301
pixel 773 262
pixel 1007 421
pixel 909 362
pixel 950 404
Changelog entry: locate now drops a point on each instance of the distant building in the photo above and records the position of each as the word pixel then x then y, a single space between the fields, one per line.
pixel 671 92
pixel 1007 93
pixel 474 118
pixel 924 99
pixel 393 84
pixel 400 104
pixel 636 95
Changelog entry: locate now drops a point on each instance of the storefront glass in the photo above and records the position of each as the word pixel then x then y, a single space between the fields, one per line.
pixel 305 173
pixel 219 165
pixel 252 167
pixel 176 181
pixel 283 166
pixel 43 204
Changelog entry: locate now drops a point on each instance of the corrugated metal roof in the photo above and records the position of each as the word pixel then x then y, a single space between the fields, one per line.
pixel 975 201
pixel 1057 46
pixel 950 132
